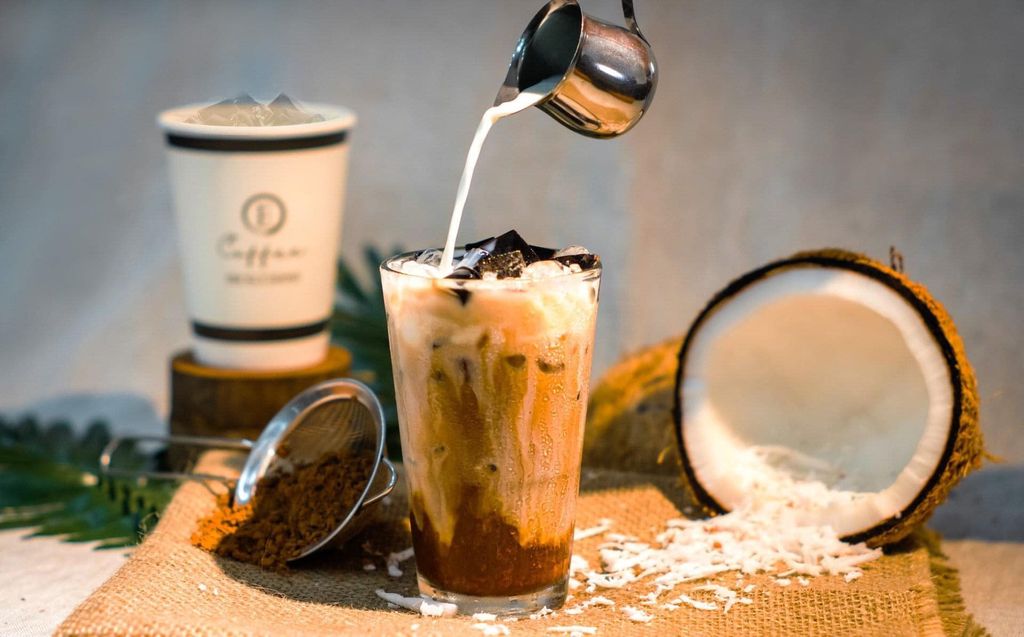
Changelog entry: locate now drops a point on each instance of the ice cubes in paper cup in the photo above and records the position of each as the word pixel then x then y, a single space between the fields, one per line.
pixel 246 111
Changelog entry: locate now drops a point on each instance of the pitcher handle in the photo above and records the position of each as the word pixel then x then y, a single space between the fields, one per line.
pixel 630 15
pixel 195 441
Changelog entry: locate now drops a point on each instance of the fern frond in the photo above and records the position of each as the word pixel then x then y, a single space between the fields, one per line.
pixel 360 325
pixel 50 483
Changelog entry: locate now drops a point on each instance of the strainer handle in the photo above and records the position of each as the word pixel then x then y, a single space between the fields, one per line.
pixel 194 441
pixel 392 480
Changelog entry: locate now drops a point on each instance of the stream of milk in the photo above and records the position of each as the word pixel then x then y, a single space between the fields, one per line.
pixel 527 98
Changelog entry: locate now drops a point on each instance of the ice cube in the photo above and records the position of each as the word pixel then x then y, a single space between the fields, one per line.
pixel 503 266
pixel 466 267
pixel 430 257
pixel 283 102
pixel 582 261
pixel 472 258
pixel 416 268
pixel 544 270
pixel 544 254
pixel 243 110
pixel 236 111
pixel 508 242
pixel 508 256
pixel 479 260
pixel 463 273
pixel 284 112
pixel 484 244
pixel 576 256
pixel 569 251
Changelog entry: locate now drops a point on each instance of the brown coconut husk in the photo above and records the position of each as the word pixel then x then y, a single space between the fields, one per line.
pixel 630 422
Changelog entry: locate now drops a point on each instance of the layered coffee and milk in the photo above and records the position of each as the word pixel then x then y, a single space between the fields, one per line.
pixel 492 364
pixel 491 348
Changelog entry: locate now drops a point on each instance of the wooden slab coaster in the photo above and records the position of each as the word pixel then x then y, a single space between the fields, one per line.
pixel 214 401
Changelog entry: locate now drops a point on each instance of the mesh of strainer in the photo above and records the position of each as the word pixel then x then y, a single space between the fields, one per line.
pixel 340 415
pixel 341 425
pixel 335 416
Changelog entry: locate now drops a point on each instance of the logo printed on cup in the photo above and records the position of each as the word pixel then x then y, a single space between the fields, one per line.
pixel 263 213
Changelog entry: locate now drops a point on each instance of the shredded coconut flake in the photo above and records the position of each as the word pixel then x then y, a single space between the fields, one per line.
pixel 599 600
pixel 723 594
pixel 425 607
pixel 603 525
pixel 634 614
pixel 484 617
pixel 699 605
pixel 573 630
pixel 619 537
pixel 578 564
pixel 543 612
pixel 394 559
pixel 771 532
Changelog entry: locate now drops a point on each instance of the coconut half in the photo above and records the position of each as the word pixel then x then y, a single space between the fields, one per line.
pixel 830 369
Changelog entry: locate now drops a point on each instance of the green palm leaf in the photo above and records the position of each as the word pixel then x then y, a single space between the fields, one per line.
pixel 360 325
pixel 50 483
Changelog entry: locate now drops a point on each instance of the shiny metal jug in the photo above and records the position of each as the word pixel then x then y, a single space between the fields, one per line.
pixel 608 73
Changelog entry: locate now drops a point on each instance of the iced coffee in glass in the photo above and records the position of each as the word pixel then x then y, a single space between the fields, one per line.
pixel 492 364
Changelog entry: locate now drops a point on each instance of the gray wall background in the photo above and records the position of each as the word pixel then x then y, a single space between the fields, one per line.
pixel 778 126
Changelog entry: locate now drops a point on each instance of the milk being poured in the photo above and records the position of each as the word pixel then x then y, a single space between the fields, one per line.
pixel 527 98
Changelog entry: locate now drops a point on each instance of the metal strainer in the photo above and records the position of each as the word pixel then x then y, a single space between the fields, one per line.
pixel 340 415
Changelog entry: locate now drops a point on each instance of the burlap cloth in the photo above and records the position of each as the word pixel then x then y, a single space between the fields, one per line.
pixel 169 587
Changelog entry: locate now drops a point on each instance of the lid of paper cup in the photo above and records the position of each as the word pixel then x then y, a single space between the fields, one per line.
pixel 337 119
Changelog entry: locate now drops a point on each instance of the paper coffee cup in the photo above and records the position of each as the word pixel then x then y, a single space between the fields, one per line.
pixel 259 213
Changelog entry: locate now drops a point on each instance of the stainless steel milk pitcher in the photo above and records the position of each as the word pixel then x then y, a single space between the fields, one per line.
pixel 608 73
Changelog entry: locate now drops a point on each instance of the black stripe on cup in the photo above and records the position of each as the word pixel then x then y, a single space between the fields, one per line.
pixel 257 334
pixel 254 145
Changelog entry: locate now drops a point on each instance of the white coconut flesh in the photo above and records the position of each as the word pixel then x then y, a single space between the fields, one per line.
pixel 816 375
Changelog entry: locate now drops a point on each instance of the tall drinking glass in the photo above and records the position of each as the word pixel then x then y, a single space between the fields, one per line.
pixel 491 379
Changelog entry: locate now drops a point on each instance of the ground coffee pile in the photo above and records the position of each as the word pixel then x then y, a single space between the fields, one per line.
pixel 289 512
